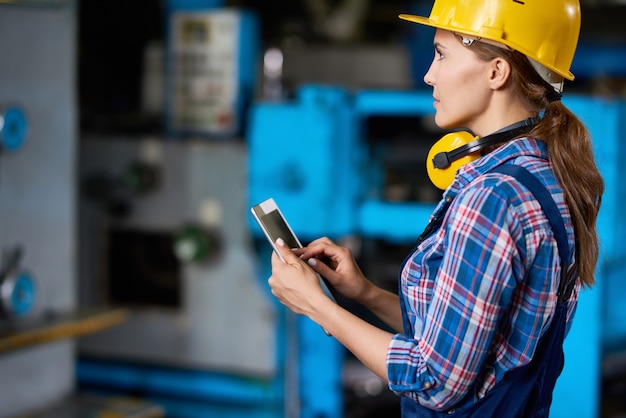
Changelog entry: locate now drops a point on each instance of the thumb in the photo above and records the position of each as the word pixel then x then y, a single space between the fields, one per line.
pixel 285 252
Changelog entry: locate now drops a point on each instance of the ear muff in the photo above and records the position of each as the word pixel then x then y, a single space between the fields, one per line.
pixel 456 149
pixel 441 165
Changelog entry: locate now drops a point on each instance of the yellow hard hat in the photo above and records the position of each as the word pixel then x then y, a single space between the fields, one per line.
pixel 546 31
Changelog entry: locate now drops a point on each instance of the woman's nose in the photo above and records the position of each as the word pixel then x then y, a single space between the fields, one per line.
pixel 429 77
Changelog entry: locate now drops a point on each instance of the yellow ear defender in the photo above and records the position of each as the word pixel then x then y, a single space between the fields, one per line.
pixel 441 164
pixel 456 149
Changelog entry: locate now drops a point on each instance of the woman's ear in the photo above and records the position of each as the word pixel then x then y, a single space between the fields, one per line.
pixel 500 73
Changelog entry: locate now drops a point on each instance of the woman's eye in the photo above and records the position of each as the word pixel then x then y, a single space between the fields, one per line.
pixel 438 54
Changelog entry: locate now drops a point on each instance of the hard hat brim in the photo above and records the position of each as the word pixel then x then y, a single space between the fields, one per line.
pixel 418 19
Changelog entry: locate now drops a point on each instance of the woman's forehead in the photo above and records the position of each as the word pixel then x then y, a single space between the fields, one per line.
pixel 442 35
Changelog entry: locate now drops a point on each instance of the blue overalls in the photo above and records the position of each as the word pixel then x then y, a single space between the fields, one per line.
pixel 525 391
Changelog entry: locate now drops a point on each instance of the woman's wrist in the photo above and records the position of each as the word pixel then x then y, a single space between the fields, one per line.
pixel 384 304
pixel 370 295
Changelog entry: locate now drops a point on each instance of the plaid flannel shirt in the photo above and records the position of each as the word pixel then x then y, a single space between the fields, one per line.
pixel 481 290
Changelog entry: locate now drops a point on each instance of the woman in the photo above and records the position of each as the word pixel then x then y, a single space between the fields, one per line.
pixel 490 289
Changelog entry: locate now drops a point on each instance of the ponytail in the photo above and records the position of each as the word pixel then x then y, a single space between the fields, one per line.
pixel 571 154
pixel 570 150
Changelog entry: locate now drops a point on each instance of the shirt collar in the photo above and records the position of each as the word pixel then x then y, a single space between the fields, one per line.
pixel 521 147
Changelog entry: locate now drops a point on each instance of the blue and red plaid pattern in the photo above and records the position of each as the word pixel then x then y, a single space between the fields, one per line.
pixel 481 290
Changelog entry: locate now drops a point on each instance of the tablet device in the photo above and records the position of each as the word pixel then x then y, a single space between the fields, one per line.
pixel 274 226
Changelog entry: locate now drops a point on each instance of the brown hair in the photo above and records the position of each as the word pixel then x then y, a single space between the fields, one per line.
pixel 570 149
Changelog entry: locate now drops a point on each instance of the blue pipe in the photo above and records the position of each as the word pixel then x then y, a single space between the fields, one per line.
pixel 179 383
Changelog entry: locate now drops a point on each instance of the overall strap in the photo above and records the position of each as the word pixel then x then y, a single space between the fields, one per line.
pixel 553 214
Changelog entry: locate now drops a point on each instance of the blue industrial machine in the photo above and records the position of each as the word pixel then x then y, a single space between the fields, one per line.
pixel 302 155
pixel 352 165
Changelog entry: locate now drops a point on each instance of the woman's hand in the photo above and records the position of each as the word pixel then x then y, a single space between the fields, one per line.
pixel 337 265
pixel 294 283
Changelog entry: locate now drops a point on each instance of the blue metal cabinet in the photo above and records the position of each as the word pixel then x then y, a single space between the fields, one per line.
pixel 303 154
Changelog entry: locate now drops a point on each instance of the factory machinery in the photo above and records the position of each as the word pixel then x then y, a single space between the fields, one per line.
pixel 165 232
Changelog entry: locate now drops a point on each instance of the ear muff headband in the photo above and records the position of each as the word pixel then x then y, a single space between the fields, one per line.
pixel 465 147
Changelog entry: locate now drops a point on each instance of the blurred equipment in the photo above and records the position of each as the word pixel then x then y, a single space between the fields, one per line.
pixel 354 67
pixel 13 128
pixel 211 67
pixel 202 330
pixel 342 22
pixel 17 286
pixel 163 233
pixel 38 317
